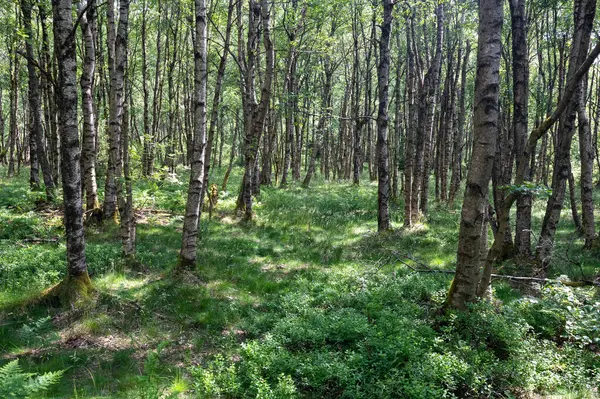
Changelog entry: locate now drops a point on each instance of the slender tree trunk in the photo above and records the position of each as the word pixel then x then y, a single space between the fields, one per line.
pixel 77 282
pixel 383 77
pixel 573 203
pixel 429 101
pixel 473 226
pixel 520 64
pixel 459 137
pixel 189 242
pixel 13 128
pixel 409 152
pixel 128 227
pixel 586 154
pixel 120 130
pixel 214 115
pixel 35 106
pixel 47 99
pixel 89 118
pixel 114 159
pixel 232 153
pixel 585 11
pixel 2 144
pixel 256 112
pixel 148 139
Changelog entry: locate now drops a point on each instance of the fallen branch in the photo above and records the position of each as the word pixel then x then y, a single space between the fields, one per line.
pixel 35 240
pixel 426 269
pixel 581 283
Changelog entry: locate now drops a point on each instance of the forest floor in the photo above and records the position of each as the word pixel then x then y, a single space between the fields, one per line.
pixel 307 301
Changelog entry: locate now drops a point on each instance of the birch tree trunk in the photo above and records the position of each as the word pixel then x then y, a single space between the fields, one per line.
pixel 520 64
pixel 189 241
pixel 473 226
pixel 113 169
pixel 584 14
pixel 35 105
pixel 255 112
pixel 13 128
pixel 383 78
pixel 77 282
pixel 87 105
pixel 459 138
pixel 120 131
pixel 586 154
pixel 409 151
pixel 2 145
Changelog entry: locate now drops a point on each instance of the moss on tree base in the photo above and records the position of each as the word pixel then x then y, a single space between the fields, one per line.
pixel 94 217
pixel 73 291
pixel 185 265
pixel 132 263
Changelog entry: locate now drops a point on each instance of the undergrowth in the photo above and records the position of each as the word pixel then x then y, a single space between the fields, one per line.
pixel 306 302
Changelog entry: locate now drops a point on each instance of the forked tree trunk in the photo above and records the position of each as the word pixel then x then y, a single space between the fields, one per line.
pixel 255 112
pixel 473 226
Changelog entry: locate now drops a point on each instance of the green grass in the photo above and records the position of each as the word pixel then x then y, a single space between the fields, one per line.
pixel 307 301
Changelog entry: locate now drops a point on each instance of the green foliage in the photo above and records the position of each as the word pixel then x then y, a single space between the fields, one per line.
pixel 536 190
pixel 563 313
pixel 307 302
pixel 15 383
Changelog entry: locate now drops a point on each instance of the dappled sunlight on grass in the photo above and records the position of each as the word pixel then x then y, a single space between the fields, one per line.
pixel 309 290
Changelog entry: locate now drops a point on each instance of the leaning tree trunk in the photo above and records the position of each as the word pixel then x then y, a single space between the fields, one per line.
pixel 77 282
pixel 189 241
pixel 585 11
pixel 89 118
pixel 473 225
pixel 35 105
pixel 383 78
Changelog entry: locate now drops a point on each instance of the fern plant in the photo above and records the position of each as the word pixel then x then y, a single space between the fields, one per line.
pixel 14 383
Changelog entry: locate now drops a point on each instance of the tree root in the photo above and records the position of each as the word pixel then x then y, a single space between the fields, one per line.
pixel 72 292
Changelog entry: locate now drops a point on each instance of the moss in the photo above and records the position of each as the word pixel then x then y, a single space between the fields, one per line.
pixel 95 216
pixel 73 291
pixel 184 264
pixel 134 264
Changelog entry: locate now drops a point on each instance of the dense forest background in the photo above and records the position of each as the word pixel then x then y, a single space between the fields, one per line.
pixel 296 198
